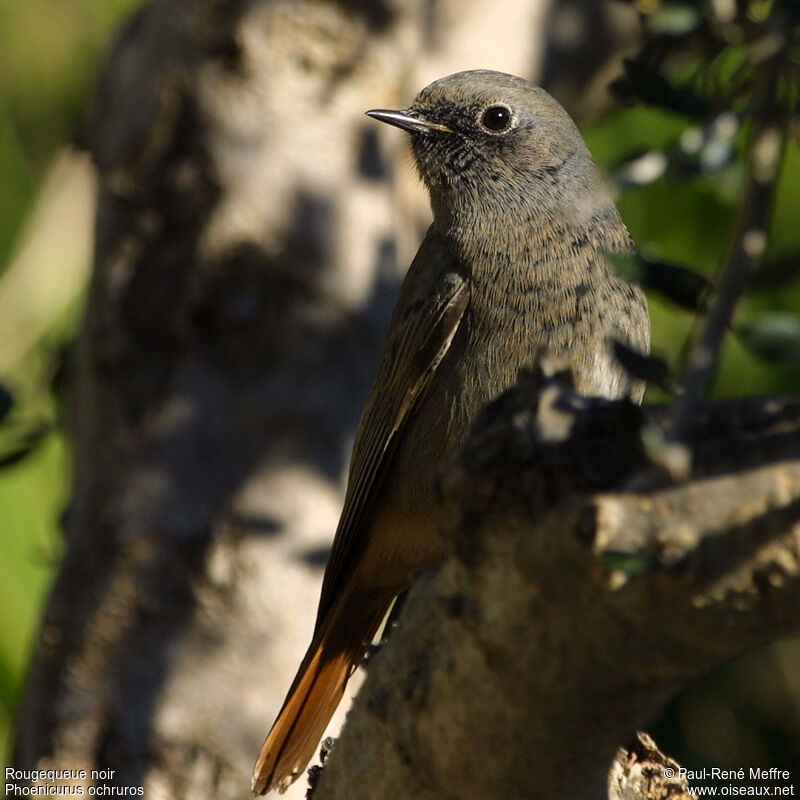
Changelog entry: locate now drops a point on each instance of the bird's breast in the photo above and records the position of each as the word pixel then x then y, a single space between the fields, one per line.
pixel 564 302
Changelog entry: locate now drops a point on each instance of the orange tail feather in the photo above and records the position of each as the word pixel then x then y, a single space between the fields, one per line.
pixel 316 692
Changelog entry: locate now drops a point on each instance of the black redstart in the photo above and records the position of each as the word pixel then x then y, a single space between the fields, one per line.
pixel 513 264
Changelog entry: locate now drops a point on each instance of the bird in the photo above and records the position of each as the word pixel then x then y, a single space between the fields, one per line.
pixel 513 265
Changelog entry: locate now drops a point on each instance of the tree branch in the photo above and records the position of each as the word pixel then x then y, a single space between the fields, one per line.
pixel 575 604
pixel 764 154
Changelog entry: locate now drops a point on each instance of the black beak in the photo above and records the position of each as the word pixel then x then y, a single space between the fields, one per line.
pixel 406 120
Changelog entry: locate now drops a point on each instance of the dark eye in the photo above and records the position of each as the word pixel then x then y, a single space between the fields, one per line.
pixel 496 118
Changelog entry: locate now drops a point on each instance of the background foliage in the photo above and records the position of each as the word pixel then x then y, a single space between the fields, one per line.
pixel 49 56
pixel 680 200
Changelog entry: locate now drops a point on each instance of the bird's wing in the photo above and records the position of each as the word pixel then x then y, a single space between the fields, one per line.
pixel 423 324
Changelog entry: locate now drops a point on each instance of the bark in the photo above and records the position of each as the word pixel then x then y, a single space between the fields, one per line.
pixel 585 589
pixel 641 772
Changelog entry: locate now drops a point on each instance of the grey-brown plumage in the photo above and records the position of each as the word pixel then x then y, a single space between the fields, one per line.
pixel 512 264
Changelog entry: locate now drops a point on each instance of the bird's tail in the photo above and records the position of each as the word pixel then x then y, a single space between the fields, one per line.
pixel 316 691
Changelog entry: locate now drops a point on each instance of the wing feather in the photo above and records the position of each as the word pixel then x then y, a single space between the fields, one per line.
pixel 422 328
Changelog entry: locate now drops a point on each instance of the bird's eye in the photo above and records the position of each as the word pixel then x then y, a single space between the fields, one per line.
pixel 496 118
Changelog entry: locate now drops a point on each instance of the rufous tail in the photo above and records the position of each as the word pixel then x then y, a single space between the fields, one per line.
pixel 338 643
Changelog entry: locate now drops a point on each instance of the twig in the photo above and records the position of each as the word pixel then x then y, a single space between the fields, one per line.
pixel 765 149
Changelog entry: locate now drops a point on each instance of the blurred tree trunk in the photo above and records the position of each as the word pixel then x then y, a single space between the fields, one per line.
pixel 252 228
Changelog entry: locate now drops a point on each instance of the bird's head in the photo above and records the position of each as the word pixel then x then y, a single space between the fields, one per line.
pixel 492 142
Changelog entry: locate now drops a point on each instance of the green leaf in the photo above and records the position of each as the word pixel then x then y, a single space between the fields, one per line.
pixel 640 169
pixel 629 563
pixel 682 286
pixel 16 455
pixel 651 369
pixel 643 83
pixel 676 19
pixel 6 402
pixel 776 274
pixel 24 447
pixel 774 336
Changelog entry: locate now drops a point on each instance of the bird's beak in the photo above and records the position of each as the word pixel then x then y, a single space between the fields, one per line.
pixel 407 120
